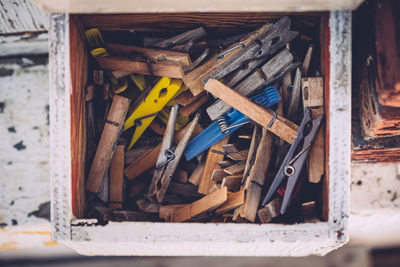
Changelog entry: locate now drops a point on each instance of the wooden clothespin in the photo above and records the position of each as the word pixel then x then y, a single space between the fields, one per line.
pixel 210 165
pixel 266 74
pixel 276 124
pixel 168 158
pixel 256 171
pixel 154 55
pixel 206 204
pixel 116 186
pixel 111 131
pixel 313 97
pixel 182 38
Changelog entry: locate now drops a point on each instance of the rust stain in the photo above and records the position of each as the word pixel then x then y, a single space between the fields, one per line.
pixel 50 243
pixel 8 245
pixel 34 233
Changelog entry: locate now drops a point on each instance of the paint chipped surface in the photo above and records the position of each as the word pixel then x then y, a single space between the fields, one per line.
pixel 24 142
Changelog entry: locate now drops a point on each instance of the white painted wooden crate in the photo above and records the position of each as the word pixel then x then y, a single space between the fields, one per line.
pixel 147 238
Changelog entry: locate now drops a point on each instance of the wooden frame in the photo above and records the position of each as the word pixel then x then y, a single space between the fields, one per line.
pixel 124 6
pixel 147 238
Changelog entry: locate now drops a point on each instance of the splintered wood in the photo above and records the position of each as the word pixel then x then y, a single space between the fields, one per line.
pixel 210 122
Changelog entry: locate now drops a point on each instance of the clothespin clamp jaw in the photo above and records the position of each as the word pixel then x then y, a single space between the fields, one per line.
pixel 292 165
pixel 169 157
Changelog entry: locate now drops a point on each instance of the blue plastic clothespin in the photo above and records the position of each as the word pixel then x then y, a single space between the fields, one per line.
pixel 227 124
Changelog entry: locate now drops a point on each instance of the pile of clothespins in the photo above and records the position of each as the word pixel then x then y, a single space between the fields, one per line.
pixel 191 129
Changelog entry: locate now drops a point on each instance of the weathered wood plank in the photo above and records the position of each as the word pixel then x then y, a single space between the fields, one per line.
pixel 22 16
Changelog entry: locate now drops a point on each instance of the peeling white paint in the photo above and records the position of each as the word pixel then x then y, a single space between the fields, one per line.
pixel 21 16
pixel 24 172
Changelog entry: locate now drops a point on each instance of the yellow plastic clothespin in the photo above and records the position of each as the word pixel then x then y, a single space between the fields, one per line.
pixel 172 101
pixel 148 109
pixel 181 120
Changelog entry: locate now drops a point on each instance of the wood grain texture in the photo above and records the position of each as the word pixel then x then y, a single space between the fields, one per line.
pixel 102 158
pixel 148 160
pixel 313 96
pixel 306 62
pixel 177 22
pixel 135 153
pixel 117 175
pixel 194 106
pixel 312 91
pixel 210 165
pixel 256 179
pixel 155 55
pixel 173 165
pixel 325 39
pixel 317 239
pixel 166 211
pixel 143 163
pixel 240 155
pixel 218 174
pixel 232 182
pixel 236 168
pixel 79 77
pixel 196 175
pixel 182 38
pixel 280 127
pixel 234 200
pixel 387 16
pixel 129 66
pixel 185 98
pixel 206 204
pixel 270 71
pixel 193 79
pixel 270 211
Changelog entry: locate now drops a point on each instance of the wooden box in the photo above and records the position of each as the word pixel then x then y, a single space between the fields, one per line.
pixel 68 77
